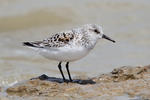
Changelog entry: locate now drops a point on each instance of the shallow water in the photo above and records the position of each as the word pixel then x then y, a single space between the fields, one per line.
pixel 128 22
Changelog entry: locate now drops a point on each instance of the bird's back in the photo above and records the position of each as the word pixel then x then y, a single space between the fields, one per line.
pixel 63 46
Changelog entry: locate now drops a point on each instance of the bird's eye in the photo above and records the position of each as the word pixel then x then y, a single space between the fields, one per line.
pixel 95 30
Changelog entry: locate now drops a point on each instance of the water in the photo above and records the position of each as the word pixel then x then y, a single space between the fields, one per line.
pixel 127 22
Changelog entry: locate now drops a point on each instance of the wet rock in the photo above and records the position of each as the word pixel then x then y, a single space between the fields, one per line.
pixel 127 80
pixel 124 73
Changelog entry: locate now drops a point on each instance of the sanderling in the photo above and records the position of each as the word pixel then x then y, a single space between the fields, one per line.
pixel 68 46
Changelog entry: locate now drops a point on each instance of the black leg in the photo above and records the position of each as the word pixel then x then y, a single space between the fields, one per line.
pixel 67 67
pixel 59 66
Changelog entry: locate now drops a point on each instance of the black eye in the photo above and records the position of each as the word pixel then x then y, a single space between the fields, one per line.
pixel 96 31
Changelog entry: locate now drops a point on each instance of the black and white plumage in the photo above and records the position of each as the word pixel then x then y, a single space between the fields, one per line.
pixel 71 45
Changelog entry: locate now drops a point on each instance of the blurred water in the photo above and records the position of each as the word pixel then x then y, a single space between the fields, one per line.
pixel 128 22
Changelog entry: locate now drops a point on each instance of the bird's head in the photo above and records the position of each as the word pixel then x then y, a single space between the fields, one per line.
pixel 96 31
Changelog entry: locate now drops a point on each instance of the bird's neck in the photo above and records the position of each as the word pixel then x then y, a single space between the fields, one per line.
pixel 90 42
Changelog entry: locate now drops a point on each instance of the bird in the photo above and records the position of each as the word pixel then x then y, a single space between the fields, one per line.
pixel 69 45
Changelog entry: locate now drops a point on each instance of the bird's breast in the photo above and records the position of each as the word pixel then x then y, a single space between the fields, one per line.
pixel 65 54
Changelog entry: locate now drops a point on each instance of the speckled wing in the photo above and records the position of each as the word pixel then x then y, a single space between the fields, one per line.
pixel 57 40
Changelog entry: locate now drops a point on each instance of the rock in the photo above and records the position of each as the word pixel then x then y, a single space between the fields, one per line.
pixel 127 80
pixel 124 73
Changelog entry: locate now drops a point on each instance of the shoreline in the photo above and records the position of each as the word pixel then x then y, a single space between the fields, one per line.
pixel 124 82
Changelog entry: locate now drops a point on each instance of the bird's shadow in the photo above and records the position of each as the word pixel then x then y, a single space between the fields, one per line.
pixel 60 80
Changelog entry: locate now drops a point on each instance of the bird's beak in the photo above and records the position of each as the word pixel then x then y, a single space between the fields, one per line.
pixel 108 38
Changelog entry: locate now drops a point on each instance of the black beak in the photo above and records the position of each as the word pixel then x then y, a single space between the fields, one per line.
pixel 108 38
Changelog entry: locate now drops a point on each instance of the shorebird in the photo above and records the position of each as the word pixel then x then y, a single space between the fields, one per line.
pixel 71 45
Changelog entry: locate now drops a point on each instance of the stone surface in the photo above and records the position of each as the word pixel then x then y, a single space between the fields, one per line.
pixel 131 82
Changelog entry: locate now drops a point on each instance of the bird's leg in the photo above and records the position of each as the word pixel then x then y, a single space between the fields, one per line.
pixel 67 67
pixel 59 66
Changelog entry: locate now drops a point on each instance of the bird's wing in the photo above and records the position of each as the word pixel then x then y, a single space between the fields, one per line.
pixel 57 40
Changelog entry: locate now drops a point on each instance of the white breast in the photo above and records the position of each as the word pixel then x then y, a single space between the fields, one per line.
pixel 65 53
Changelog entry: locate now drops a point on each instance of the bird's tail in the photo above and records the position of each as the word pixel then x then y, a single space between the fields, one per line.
pixel 30 44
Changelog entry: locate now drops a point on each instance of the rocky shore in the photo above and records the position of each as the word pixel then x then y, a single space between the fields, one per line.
pixel 127 82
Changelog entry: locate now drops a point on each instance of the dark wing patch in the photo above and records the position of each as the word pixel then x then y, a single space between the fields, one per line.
pixel 66 38
pixel 59 40
pixel 56 40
